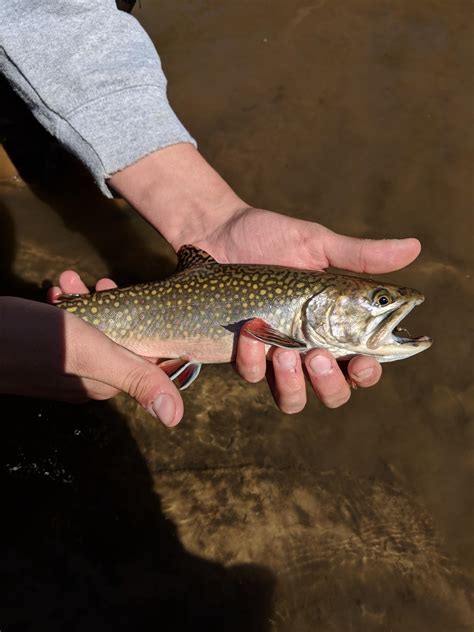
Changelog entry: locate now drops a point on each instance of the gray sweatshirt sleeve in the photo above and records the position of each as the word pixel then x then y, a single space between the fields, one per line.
pixel 92 77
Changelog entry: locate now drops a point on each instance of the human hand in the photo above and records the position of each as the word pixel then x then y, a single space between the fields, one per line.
pixel 259 236
pixel 47 352
pixel 206 212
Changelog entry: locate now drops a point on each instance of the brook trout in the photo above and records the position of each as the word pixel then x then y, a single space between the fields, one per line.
pixel 196 315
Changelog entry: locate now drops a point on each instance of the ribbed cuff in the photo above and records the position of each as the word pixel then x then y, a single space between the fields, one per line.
pixel 114 131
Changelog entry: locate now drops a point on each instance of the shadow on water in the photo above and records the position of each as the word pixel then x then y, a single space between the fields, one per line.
pixel 86 545
pixel 10 283
pixel 61 182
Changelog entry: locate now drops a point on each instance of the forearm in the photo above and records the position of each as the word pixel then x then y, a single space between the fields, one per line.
pixel 92 77
pixel 179 193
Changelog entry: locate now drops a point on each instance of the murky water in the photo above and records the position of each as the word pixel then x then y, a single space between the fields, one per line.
pixel 356 114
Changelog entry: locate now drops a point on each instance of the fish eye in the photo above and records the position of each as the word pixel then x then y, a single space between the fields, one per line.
pixel 381 297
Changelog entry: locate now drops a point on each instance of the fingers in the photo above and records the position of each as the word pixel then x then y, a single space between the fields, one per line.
pixel 105 284
pixel 364 371
pixel 289 381
pixel 250 361
pixel 327 379
pixel 374 256
pixel 71 283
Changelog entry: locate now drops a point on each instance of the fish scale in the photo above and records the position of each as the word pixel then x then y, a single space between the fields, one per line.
pixel 198 312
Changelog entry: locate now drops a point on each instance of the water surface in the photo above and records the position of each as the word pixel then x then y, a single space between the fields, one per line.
pixel 356 114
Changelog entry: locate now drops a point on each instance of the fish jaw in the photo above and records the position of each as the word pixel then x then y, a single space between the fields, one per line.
pixel 348 323
pixel 387 345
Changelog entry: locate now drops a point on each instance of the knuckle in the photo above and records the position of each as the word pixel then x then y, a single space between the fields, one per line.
pixel 137 383
pixel 251 372
pixel 290 381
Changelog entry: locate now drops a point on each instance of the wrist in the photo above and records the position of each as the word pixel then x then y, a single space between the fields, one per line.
pixel 179 193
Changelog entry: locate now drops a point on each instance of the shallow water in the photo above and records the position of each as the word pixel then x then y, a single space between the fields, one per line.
pixel 358 115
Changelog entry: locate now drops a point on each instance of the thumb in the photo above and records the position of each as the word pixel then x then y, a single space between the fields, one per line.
pixel 373 256
pixel 149 386
pixel 99 358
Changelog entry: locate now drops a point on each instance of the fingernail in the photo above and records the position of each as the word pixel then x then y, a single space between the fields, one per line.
pixel 164 409
pixel 287 360
pixel 364 373
pixel 320 365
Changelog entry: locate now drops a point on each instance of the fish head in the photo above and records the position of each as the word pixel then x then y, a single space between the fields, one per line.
pixel 352 316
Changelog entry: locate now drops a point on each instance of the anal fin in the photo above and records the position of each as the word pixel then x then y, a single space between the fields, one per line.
pixel 182 372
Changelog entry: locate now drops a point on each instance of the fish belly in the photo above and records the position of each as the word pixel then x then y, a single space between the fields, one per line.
pixel 201 350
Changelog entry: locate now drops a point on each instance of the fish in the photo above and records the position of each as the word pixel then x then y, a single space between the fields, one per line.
pixel 195 316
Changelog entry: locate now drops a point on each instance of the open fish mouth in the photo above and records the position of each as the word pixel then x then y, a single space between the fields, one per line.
pixel 388 332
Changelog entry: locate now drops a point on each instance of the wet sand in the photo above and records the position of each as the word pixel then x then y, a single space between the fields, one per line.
pixel 356 114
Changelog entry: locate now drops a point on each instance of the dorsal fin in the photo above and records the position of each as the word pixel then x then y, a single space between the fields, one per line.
pixel 191 257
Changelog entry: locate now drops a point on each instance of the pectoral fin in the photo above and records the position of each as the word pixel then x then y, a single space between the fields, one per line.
pixel 264 332
pixel 182 372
